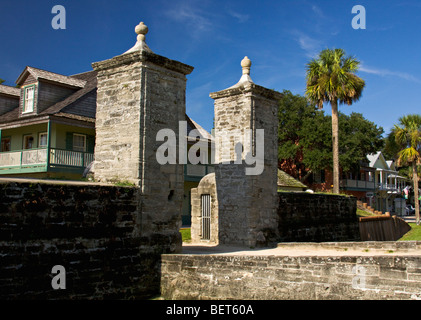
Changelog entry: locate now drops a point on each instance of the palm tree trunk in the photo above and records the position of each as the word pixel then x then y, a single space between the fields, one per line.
pixel 335 145
pixel 417 203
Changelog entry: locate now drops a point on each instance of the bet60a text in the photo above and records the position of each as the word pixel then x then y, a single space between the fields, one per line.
pixel 231 309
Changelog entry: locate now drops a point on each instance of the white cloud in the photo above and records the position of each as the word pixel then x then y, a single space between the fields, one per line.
pixel 310 45
pixel 385 73
pixel 193 17
pixel 318 11
pixel 239 16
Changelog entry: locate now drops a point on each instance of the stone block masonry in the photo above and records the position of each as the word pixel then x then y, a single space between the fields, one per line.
pixel 93 231
pixel 245 211
pixel 317 217
pixel 140 93
pixel 291 277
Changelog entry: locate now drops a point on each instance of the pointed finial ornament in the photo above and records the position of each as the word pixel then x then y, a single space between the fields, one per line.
pixel 141 29
pixel 245 78
pixel 246 64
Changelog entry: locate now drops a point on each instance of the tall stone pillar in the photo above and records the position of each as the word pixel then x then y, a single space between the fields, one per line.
pixel 140 93
pixel 246 135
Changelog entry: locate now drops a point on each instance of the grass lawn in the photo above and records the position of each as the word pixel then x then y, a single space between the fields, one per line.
pixel 413 234
pixel 362 213
pixel 185 234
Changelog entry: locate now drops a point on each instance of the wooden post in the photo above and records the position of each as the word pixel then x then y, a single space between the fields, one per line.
pixel 48 144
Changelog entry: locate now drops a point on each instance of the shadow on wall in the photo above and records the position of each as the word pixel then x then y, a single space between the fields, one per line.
pixel 305 217
pixel 92 231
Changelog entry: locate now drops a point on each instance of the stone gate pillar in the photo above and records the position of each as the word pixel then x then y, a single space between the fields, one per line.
pixel 140 93
pixel 246 135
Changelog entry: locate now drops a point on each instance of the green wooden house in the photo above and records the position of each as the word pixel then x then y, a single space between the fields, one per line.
pixel 47 124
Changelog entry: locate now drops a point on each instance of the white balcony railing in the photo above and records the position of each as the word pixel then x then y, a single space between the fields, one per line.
pixel 389 187
pixel 358 184
pixel 70 158
pixel 38 157
pixel 23 158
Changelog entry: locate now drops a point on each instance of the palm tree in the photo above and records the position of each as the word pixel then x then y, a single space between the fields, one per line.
pixel 408 136
pixel 331 79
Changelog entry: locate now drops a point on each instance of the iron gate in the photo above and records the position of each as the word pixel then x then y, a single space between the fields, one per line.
pixel 206 216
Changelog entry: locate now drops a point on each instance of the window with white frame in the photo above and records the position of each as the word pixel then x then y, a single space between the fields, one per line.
pixel 28 103
pixel 79 142
pixel 42 140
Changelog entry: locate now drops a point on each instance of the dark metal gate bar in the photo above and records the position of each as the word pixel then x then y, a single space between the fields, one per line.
pixel 206 216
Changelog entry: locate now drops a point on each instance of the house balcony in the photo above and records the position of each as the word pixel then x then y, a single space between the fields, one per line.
pixel 389 187
pixel 44 160
pixel 357 185
pixel 195 172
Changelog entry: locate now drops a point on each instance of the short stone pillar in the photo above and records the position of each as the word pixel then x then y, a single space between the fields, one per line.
pixel 245 178
pixel 140 93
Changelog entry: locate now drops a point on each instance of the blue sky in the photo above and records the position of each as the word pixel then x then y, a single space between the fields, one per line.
pixel 279 37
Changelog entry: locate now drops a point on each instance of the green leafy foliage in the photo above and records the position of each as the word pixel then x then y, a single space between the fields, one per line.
pixel 408 137
pixel 305 136
pixel 331 77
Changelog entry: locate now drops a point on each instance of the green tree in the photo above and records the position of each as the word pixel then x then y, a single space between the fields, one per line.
pixel 294 112
pixel 305 137
pixel 1 80
pixel 408 137
pixel 359 137
pixel 391 147
pixel 331 79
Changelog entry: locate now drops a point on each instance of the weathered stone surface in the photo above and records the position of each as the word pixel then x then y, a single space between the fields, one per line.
pixel 225 277
pixel 245 209
pixel 93 231
pixel 140 93
pixel 317 217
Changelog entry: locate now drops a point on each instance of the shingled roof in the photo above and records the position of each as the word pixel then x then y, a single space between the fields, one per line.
pixel 51 76
pixel 287 181
pixel 70 106
pixel 10 91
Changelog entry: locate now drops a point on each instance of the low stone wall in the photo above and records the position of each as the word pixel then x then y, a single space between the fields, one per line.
pixel 93 231
pixel 291 277
pixel 317 217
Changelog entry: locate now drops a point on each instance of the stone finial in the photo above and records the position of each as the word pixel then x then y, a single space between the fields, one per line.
pixel 141 29
pixel 246 64
pixel 245 78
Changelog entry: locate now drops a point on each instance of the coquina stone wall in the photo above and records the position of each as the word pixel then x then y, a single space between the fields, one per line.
pixel 317 217
pixel 93 231
pixel 245 178
pixel 292 277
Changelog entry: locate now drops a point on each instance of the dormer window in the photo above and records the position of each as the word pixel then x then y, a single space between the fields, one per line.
pixel 28 100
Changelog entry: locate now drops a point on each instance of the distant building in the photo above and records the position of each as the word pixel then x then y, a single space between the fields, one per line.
pixel 47 124
pixel 376 182
pixel 389 184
